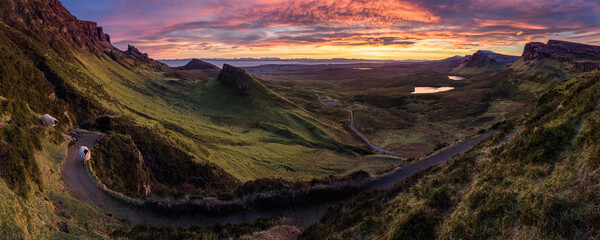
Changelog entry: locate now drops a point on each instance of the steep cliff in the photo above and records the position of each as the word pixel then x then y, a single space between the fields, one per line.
pixel 483 61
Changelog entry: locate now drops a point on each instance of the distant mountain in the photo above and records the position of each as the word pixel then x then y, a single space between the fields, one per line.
pixel 197 64
pixel 483 61
pixel 196 69
pixel 455 57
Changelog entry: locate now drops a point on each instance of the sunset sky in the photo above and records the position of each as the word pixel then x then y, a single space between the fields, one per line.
pixel 386 29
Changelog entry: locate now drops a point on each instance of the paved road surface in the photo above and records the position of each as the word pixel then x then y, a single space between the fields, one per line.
pixel 367 140
pixel 357 132
pixel 76 177
pixel 388 180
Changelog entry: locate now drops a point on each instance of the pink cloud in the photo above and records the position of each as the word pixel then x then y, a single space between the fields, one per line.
pixel 169 28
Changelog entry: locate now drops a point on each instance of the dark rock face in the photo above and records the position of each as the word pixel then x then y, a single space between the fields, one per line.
pixel 141 58
pixel 94 32
pixel 134 52
pixel 484 61
pixel 561 50
pixel 197 64
pixel 499 58
pixel 236 79
pixel 481 59
pixel 49 18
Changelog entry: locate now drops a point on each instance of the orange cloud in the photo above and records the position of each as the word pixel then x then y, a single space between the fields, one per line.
pixel 394 29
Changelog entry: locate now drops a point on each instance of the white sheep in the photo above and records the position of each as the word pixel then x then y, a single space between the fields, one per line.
pixel 84 153
pixel 49 120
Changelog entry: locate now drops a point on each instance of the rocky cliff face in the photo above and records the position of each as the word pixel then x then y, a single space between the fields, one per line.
pixel 561 50
pixel 559 56
pixel 92 30
pixel 140 58
pixel 236 79
pixel 48 18
pixel 554 61
pixel 483 61
pixel 505 60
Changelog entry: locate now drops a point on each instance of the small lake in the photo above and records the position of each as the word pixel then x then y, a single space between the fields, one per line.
pixel 424 90
pixel 456 78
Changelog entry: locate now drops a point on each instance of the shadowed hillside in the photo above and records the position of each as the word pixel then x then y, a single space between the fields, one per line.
pixel 167 136
pixel 200 137
pixel 537 184
pixel 483 61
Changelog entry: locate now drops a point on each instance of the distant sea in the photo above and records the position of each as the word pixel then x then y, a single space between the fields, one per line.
pixel 254 63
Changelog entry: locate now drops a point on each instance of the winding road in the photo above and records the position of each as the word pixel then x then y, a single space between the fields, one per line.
pixel 384 151
pixel 389 179
pixel 75 175
pixel 365 138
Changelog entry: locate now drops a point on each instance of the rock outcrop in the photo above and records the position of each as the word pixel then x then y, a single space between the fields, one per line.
pixel 562 56
pixel 48 18
pixel 561 50
pixel 137 58
pixel 94 32
pixel 483 61
pixel 555 61
pixel 134 53
pixel 236 79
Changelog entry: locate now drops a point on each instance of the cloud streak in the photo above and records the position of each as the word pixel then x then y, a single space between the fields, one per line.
pixel 341 28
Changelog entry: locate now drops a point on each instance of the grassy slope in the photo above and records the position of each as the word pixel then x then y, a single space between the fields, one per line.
pixel 42 74
pixel 51 213
pixel 249 137
pixel 543 183
pixel 463 70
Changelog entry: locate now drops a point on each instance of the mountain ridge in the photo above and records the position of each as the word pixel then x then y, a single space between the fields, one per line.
pixel 483 61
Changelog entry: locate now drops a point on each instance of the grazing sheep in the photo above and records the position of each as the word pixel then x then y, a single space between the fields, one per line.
pixel 49 120
pixel 84 153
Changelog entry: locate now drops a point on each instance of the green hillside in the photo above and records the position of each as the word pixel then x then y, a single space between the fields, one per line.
pixel 196 137
pixel 540 184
